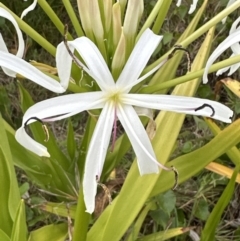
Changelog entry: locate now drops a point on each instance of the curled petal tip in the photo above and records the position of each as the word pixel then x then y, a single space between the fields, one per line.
pixel 26 141
pixel 28 9
pixel 45 153
pixel 89 210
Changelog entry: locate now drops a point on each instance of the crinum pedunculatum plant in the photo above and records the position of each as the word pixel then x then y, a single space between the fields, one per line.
pixel 114 55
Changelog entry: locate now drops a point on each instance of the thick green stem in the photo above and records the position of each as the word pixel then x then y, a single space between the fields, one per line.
pixel 73 18
pixel 190 76
pixel 81 220
pixel 52 15
pixel 161 4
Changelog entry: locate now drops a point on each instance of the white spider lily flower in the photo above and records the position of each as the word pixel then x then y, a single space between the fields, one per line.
pixel 192 7
pixel 29 9
pixel 235 48
pixel 116 102
pixel 231 41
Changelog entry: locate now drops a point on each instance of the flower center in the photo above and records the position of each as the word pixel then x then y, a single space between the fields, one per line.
pixel 114 96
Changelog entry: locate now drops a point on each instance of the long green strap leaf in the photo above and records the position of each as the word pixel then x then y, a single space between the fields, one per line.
pixel 190 164
pixel 19 231
pixel 3 236
pixel 10 195
pixel 53 232
pixel 209 230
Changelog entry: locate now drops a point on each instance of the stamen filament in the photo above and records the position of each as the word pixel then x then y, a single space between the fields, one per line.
pixel 74 58
pixel 179 47
pixel 45 129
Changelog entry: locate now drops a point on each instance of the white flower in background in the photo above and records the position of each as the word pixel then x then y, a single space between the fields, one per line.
pixel 3 48
pixel 12 64
pixel 28 9
pixel 232 41
pixel 235 49
pixel 116 102
pixel 192 7
pixel 230 2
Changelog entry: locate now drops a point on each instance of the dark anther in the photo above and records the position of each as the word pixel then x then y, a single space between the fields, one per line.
pixel 32 118
pixel 206 105
pixel 176 177
pixel 45 129
pixel 179 47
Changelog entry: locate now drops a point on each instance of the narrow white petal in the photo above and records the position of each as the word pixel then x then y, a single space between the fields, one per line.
pixel 229 41
pixel 139 139
pixel 64 106
pixel 29 9
pixel 141 111
pixel 179 3
pixel 94 61
pixel 149 73
pixel 235 47
pixel 25 69
pixel 223 70
pixel 193 6
pixel 181 104
pixel 138 59
pixel 26 141
pixel 63 64
pixel 229 3
pixel 234 26
pixel 97 104
pixel 96 155
pixel 3 46
pixel 4 13
pixel 233 68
